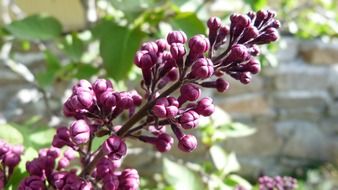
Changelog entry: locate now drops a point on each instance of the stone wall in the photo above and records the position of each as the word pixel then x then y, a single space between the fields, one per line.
pixel 293 106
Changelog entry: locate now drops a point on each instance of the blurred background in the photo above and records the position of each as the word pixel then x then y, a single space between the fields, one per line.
pixel 285 122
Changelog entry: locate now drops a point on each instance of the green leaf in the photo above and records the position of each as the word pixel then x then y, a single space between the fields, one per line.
pixel 257 4
pixel 47 77
pixel 235 130
pixel 35 27
pixel 235 180
pixel 118 45
pixel 28 135
pixel 218 157
pixel 189 23
pixel 10 134
pixel 42 137
pixel 224 163
pixel 181 177
pixel 73 46
pixel 85 71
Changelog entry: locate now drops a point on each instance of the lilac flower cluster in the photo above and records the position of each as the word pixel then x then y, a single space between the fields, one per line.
pixel 9 159
pixel 168 65
pixel 277 183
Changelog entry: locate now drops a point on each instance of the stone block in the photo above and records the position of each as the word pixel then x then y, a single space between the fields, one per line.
pixel 301 100
pixel 333 109
pixel 299 76
pixel 288 49
pixel 246 104
pixel 319 52
pixel 264 142
pixel 333 82
pixel 303 140
pixel 310 114
pixel 329 126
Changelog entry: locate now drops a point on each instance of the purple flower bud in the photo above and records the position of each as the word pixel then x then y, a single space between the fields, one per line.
pixel 145 59
pixel 249 33
pixel 172 74
pixel 176 37
pixel 222 85
pixel 261 16
pixel 162 45
pixel 168 62
pixel 253 66
pixel 80 132
pixel 239 21
pixel 32 183
pixel 82 86
pixel 166 107
pixel 238 53
pixel 114 147
pixel 150 47
pixel 283 183
pixel 68 180
pixel 189 119
pixel 177 50
pixel 222 34
pixel 68 109
pixel 59 179
pixel 269 35
pixel 189 92
pixel 11 159
pixel 41 166
pixel 187 143
pixel 70 154
pixel 124 100
pixel 245 77
pixel 101 85
pixel 52 152
pixel 62 138
pixel 83 100
pixel 137 98
pixel 205 107
pixel 129 180
pixel 110 182
pixel 107 101
pixel 164 142
pixel 156 130
pixel 4 148
pixel 63 163
pixel 198 45
pixel 202 68
pixel 17 149
pixel 104 167
pixel 214 23
pixel 254 50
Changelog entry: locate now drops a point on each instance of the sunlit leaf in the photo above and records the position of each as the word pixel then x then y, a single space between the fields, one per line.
pixel 224 163
pixel 235 130
pixel 181 177
pixel 35 27
pixel 10 134
pixel 118 45
pixel 257 4
pixel 218 157
pixel 189 23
